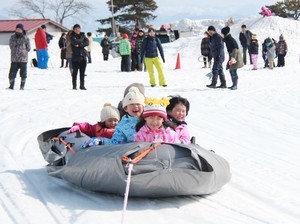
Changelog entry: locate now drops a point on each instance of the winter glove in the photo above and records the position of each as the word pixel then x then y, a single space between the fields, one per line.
pixel 91 142
pixel 74 129
pixel 232 61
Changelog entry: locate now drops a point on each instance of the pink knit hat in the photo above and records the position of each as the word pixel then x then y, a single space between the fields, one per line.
pixel 155 107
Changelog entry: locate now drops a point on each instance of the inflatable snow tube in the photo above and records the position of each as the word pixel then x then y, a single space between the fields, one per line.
pixel 168 170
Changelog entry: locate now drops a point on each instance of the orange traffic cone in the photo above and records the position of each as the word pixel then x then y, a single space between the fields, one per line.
pixel 178 62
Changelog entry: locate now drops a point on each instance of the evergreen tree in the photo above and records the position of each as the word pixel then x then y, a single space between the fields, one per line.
pixel 286 9
pixel 128 14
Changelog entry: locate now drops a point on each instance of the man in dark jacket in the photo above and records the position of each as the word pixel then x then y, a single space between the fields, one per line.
pixel 217 52
pixel 78 42
pixel 20 46
pixel 149 49
pixel 245 39
pixel 105 44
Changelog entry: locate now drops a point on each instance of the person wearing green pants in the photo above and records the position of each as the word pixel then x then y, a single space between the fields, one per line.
pixel 149 50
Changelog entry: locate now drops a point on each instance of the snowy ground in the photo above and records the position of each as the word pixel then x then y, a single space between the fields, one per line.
pixel 256 128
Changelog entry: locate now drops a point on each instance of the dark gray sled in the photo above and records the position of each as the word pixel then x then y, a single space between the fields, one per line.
pixel 168 170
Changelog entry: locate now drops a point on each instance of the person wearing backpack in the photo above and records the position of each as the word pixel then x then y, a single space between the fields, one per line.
pixel 149 50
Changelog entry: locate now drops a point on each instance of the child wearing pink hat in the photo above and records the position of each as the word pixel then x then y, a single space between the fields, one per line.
pixel 151 127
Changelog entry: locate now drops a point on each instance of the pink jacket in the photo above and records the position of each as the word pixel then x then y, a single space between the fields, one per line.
pixel 95 130
pixel 166 135
pixel 183 134
pixel 265 11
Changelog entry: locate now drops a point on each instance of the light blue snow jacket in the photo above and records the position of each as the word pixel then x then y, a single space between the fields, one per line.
pixel 124 131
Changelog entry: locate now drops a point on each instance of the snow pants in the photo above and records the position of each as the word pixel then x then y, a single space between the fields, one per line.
pixel 125 63
pixel 245 49
pixel 254 60
pixel 217 71
pixel 281 61
pixel 42 57
pixel 81 66
pixel 14 67
pixel 150 62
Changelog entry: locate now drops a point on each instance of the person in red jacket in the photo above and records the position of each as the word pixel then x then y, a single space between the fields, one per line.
pixel 105 128
pixel 41 47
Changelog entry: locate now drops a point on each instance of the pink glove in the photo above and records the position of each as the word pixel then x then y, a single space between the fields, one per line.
pixel 74 129
pixel 232 61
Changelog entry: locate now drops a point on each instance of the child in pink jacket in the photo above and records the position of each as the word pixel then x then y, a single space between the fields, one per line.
pixel 177 111
pixel 105 128
pixel 151 127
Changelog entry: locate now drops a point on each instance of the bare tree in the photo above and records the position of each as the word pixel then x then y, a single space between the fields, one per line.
pixel 58 10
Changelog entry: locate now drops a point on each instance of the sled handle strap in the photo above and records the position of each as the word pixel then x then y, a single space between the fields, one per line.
pixel 141 155
pixel 68 145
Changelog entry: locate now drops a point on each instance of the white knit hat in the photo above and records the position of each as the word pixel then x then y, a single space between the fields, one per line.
pixel 133 96
pixel 108 112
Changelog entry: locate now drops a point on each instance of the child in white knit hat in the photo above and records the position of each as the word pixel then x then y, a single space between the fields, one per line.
pixel 133 105
pixel 151 127
pixel 105 128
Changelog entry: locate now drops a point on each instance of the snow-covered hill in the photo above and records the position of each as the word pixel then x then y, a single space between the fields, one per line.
pixel 255 128
pixel 262 26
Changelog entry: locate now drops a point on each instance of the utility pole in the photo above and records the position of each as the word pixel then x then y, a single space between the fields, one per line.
pixel 112 18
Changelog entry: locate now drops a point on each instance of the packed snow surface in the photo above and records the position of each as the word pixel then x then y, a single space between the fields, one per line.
pixel 255 128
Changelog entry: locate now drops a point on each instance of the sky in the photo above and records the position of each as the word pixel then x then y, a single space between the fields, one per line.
pixel 256 128
pixel 168 11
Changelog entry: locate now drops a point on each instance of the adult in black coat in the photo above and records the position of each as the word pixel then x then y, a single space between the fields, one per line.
pixel 217 52
pixel 245 39
pixel 105 44
pixel 63 49
pixel 205 50
pixel 78 42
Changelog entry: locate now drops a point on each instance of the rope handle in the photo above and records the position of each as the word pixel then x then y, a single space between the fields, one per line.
pixel 141 155
pixel 67 144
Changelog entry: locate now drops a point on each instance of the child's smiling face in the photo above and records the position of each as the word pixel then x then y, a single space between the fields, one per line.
pixel 111 123
pixel 178 112
pixel 134 110
pixel 154 122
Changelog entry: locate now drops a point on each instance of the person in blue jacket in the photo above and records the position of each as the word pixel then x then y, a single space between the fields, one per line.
pixel 149 50
pixel 217 52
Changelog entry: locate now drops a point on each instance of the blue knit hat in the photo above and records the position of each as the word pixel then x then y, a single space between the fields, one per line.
pixel 20 26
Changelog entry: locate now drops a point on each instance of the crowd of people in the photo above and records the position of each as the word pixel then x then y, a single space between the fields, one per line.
pixel 212 47
pixel 138 51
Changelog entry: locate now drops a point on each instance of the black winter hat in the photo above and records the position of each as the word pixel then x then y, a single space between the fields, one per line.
pixel 76 26
pixel 212 28
pixel 225 30
pixel 20 26
pixel 43 26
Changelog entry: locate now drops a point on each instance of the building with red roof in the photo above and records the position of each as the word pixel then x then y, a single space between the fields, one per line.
pixel 8 27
